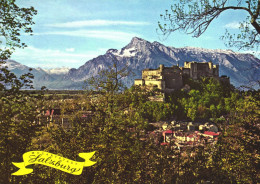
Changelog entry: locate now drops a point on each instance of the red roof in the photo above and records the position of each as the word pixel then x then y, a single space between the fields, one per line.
pixel 164 143
pixel 84 116
pixel 47 113
pixel 168 132
pixel 211 133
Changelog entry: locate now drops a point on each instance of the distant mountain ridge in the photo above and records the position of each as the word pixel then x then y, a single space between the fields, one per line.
pixel 52 79
pixel 140 54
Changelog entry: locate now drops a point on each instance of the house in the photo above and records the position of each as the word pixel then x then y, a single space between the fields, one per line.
pixel 210 134
pixel 180 136
pixel 166 134
pixel 64 120
pixel 191 138
pixel 190 126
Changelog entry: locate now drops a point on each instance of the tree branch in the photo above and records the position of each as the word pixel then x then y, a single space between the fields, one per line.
pixel 256 26
pixel 234 8
pixel 253 17
pixel 194 17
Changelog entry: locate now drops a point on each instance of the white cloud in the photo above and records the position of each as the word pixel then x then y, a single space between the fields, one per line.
pixel 60 70
pixel 233 25
pixel 46 58
pixel 70 49
pixel 91 23
pixel 106 34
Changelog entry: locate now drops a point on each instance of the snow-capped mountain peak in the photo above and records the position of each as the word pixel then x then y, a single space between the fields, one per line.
pixel 125 52
pixel 11 65
pixel 58 71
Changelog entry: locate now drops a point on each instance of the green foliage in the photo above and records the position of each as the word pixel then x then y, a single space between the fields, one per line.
pixel 115 136
pixel 206 100
pixel 13 21
pixel 118 125
pixel 18 109
pixel 117 131
pixel 18 120
pixel 237 151
pixel 109 80
pixel 156 111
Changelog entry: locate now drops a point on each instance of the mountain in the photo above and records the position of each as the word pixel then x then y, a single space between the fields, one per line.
pixel 139 54
pixel 57 71
pixel 19 69
pixel 52 79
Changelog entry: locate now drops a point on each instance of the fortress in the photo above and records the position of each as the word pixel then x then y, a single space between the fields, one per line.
pixel 168 79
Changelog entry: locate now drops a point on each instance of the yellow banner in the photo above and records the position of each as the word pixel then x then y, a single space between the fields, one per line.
pixel 52 160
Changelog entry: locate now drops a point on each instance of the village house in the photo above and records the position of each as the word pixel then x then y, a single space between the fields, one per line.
pixel 55 116
pixel 167 134
pixel 180 134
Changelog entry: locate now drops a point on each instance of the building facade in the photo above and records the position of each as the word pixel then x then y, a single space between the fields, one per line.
pixel 195 70
pixel 171 78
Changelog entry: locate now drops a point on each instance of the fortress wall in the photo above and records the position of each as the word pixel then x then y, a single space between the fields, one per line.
pixel 151 74
pixel 139 82
pixel 173 78
pixel 158 83
pixel 170 78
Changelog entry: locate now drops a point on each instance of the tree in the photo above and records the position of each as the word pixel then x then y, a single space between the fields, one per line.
pixel 18 109
pixel 18 115
pixel 236 153
pixel 114 133
pixel 194 17
pixel 109 82
pixel 13 21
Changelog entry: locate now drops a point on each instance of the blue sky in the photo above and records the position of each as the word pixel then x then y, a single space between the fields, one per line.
pixel 70 32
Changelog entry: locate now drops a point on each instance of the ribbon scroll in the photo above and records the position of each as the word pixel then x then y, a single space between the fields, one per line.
pixel 52 160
